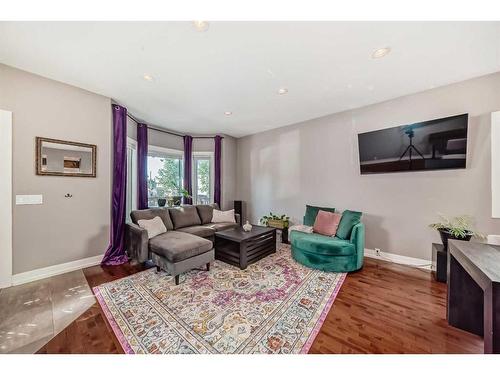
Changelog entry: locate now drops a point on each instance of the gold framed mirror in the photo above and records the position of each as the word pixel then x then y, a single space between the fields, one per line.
pixel 55 157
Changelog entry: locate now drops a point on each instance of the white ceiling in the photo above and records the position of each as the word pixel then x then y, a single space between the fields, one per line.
pixel 239 66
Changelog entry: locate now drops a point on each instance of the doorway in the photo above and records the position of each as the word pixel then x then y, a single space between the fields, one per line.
pixel 5 199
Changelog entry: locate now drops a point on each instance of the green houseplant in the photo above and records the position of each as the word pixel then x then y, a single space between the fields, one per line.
pixel 455 228
pixel 275 221
pixel 185 193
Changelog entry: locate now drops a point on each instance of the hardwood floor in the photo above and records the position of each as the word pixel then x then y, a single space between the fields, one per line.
pixel 384 308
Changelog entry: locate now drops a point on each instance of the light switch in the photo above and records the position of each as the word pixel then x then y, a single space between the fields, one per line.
pixel 29 199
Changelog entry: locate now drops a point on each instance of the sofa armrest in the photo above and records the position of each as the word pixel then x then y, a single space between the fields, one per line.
pixel 136 242
pixel 237 217
pixel 358 239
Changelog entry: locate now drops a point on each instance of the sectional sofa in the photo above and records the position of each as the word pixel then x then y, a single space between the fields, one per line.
pixel 187 244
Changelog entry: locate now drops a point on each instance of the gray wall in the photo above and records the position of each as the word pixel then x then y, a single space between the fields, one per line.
pixel 61 229
pixel 317 162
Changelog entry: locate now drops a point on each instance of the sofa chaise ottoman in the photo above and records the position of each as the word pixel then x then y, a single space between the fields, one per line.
pixel 342 253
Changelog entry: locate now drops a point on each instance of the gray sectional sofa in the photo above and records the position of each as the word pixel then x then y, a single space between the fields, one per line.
pixel 187 244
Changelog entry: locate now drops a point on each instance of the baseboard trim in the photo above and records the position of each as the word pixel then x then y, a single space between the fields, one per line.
pixel 399 259
pixel 5 283
pixel 42 273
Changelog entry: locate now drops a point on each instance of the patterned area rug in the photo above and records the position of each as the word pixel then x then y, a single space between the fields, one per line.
pixel 274 306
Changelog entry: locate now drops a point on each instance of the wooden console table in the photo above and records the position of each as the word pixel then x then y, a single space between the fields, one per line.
pixel 473 277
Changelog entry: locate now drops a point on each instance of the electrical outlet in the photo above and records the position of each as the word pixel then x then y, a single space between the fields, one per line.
pixel 377 251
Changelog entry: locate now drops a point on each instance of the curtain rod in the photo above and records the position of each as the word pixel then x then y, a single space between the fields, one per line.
pixel 167 131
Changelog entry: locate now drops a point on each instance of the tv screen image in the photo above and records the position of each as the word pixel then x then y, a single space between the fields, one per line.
pixel 427 145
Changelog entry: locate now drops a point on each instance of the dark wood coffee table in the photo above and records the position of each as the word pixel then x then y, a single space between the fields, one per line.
pixel 240 248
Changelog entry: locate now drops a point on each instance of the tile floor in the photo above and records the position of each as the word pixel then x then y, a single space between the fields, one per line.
pixel 32 314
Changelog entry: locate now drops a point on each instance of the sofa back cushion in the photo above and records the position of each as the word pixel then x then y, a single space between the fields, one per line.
pixel 312 212
pixel 151 213
pixel 348 221
pixel 326 223
pixel 205 211
pixel 184 216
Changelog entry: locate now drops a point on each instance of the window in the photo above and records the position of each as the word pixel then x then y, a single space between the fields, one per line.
pixel 202 178
pixel 165 171
pixel 131 203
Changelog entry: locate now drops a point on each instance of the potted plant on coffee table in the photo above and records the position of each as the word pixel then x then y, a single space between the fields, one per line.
pixel 275 221
pixel 455 228
pixel 279 222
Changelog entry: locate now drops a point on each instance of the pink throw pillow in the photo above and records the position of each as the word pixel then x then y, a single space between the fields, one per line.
pixel 326 223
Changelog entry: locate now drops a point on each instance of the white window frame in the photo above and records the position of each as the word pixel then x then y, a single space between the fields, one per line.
pixel 203 155
pixel 164 152
pixel 131 177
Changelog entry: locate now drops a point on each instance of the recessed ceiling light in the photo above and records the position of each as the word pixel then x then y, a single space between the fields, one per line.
pixel 381 52
pixel 283 91
pixel 228 113
pixel 201 25
pixel 147 77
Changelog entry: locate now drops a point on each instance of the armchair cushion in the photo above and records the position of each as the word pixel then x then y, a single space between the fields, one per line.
pixel 326 223
pixel 348 221
pixel 312 212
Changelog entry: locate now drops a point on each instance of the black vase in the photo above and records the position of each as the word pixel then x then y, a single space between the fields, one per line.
pixel 445 236
pixel 162 202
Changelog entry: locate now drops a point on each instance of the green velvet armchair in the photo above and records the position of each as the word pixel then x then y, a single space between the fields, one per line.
pixel 342 253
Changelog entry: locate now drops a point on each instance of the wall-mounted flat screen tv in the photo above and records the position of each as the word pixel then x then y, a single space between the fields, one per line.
pixel 427 145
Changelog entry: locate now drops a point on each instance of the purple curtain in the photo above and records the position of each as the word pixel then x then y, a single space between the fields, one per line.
pixel 217 169
pixel 188 160
pixel 142 169
pixel 115 254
